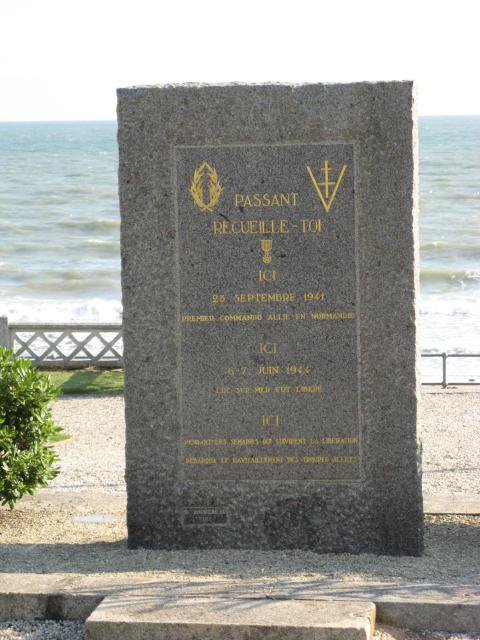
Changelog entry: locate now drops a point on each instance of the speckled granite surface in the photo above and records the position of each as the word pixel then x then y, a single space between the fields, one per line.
pixel 378 509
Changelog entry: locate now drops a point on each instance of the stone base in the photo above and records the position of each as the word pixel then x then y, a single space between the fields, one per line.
pixel 138 615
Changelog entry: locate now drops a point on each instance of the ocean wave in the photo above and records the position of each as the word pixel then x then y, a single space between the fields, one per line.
pixel 470 194
pixel 66 271
pixel 462 277
pixel 27 309
pixel 111 243
pixel 449 322
pixel 90 225
pixel 447 244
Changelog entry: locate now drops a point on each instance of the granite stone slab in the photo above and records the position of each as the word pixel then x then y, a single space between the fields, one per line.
pixel 144 614
pixel 269 276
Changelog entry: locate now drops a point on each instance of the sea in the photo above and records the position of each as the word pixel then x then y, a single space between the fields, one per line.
pixel 59 229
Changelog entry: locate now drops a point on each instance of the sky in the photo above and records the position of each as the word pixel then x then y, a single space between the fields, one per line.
pixel 63 59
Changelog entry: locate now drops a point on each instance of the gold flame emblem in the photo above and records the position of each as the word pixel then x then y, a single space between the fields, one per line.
pixel 205 179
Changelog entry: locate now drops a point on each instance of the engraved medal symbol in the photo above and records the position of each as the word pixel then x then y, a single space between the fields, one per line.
pixel 266 246
pixel 206 182
pixel 330 187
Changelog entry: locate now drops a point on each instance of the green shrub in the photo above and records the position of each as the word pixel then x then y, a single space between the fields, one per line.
pixel 27 462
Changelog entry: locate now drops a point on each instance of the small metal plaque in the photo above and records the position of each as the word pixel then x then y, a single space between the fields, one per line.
pixel 204 515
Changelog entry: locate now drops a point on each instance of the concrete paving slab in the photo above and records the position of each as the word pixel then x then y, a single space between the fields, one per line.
pixel 147 614
pixel 454 608
pixel 411 606
pixel 452 504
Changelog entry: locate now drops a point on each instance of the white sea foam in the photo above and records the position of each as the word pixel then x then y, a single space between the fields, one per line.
pixel 19 309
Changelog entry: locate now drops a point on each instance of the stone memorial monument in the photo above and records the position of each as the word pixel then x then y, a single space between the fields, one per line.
pixel 269 272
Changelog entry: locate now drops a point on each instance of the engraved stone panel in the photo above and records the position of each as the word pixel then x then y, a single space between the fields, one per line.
pixel 268 354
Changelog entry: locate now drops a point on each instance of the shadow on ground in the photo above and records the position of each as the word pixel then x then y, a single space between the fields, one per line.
pixel 452 555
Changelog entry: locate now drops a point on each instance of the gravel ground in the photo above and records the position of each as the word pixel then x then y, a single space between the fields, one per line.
pixel 93 459
pixel 51 541
pixel 41 630
pixel 389 633
pixel 51 630
pixel 449 430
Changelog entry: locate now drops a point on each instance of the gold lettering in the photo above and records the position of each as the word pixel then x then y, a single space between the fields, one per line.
pixel 297 370
pixel 249 317
pixel 282 389
pixel 268 347
pixel 290 441
pixel 316 459
pixel 205 442
pixel 244 442
pixel 217 227
pixel 270 421
pixel 194 460
pixel 332 316
pixel 241 298
pixel 316 296
pixel 250 227
pixel 306 389
pixel 340 440
pixel 187 318
pixel 265 200
pixel 344 459
pixel 311 226
pixel 262 389
pixel 258 460
pixel 268 371
pixel 267 276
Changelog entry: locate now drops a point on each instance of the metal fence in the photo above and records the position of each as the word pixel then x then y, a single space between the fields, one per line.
pixel 445 356
pixel 76 346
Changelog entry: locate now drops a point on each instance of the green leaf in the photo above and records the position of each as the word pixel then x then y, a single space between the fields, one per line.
pixel 27 462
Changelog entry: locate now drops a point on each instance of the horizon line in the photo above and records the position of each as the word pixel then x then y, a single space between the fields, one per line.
pixel 423 115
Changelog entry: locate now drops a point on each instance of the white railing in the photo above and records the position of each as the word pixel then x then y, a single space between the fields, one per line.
pixel 65 345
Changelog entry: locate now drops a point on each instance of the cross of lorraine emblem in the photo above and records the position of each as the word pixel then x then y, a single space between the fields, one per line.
pixel 330 187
